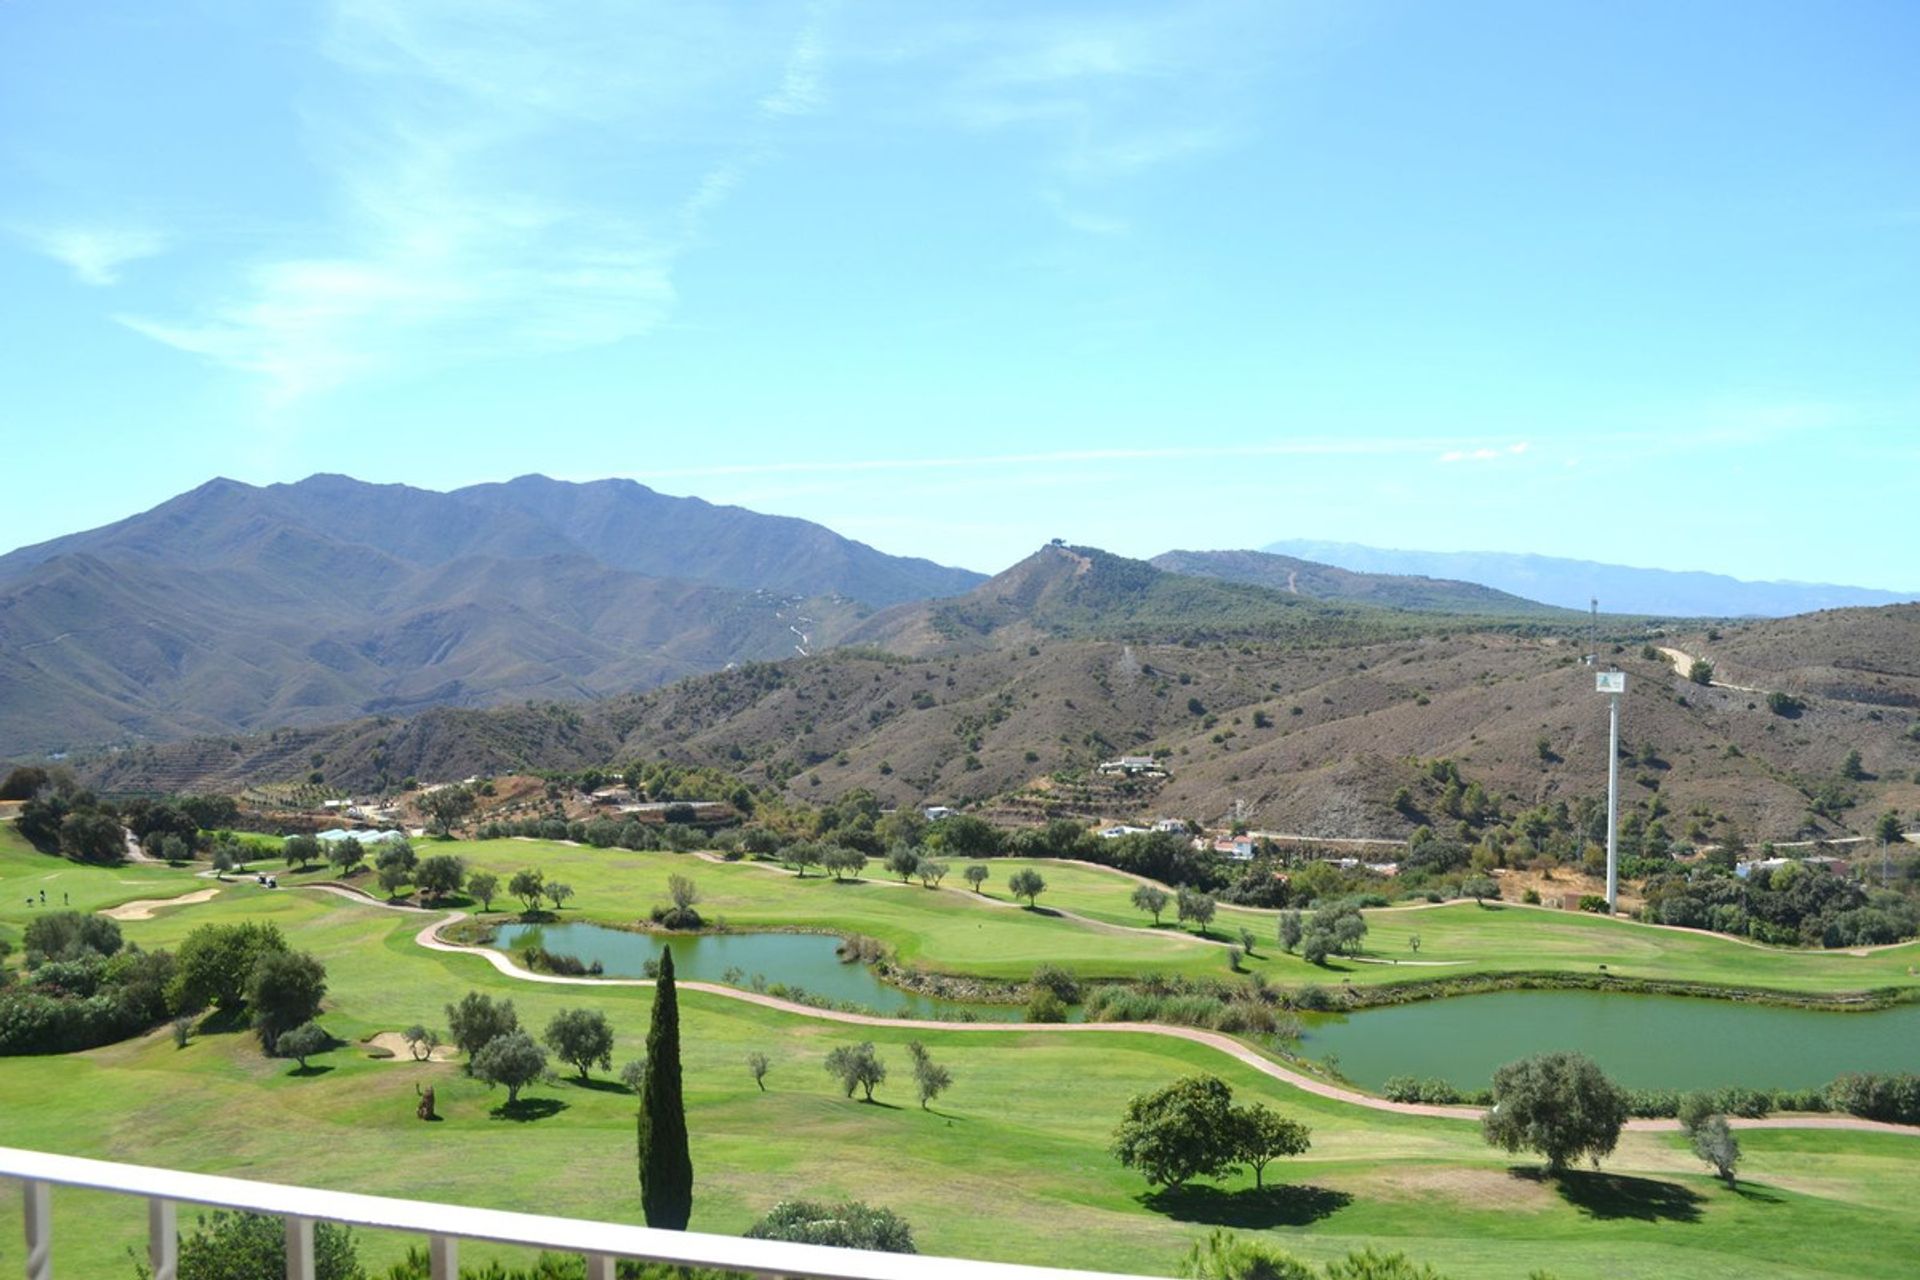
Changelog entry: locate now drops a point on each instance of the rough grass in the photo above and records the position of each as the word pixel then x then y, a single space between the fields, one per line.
pixel 1010 1164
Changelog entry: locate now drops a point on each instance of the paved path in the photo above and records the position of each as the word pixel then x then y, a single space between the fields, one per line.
pixel 429 937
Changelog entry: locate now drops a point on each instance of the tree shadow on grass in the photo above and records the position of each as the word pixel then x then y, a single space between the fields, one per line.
pixel 528 1109
pixel 1248 1209
pixel 1614 1195
pixel 1754 1192
pixel 224 1020
pixel 316 1069
pixel 1044 911
pixel 598 1086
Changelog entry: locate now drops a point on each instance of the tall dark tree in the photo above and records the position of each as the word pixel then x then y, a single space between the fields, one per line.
pixel 666 1166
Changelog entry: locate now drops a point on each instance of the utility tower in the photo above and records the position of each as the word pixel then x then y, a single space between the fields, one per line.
pixel 1613 684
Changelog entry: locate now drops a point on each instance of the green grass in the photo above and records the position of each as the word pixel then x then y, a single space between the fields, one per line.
pixel 953 930
pixel 1497 938
pixel 1011 1164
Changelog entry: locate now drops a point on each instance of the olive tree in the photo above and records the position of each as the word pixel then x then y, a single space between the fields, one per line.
pixel 1558 1104
pixel 513 1060
pixel 857 1066
pixel 1026 883
pixel 481 886
pixel 1289 930
pixel 1151 899
pixel 441 875
pixel 976 875
pixel 477 1021
pixel 757 1066
pixel 580 1038
pixel 1195 906
pixel 903 862
pixel 303 1041
pixel 929 1077
pixel 529 885
pixel 283 991
pixel 446 808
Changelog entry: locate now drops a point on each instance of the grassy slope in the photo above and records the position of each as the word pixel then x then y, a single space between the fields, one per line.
pixel 1496 938
pixel 1011 1164
pixel 953 931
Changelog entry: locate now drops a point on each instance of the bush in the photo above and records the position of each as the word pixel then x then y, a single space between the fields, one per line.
pixel 242 1246
pixel 851 1224
pixel 1044 1006
pixel 68 935
pixel 1892 1098
pixel 1223 1257
pixel 1431 1092
pixel 1059 981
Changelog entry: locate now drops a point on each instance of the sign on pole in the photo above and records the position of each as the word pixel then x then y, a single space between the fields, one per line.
pixel 1610 682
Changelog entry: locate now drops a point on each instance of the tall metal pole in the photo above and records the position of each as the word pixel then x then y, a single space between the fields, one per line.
pixel 1613 803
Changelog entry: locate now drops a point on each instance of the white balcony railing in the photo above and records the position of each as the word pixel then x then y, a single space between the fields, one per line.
pixel 445 1225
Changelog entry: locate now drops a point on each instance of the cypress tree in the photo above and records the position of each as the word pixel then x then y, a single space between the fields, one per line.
pixel 666 1167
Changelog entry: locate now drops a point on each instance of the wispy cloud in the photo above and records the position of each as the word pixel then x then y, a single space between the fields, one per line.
pixel 1485 453
pixel 96 254
pixel 466 145
pixel 1328 447
pixel 802 88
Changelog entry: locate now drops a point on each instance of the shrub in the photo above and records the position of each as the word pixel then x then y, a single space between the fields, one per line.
pixel 1059 981
pixel 851 1224
pixel 1892 1098
pixel 225 1246
pixel 1221 1256
pixel 1044 1006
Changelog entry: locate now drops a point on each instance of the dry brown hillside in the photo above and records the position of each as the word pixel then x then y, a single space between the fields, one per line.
pixel 1314 741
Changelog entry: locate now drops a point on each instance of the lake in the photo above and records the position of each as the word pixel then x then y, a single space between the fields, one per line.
pixel 1641 1041
pixel 806 960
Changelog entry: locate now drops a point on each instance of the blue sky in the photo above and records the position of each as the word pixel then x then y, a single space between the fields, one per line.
pixel 1631 282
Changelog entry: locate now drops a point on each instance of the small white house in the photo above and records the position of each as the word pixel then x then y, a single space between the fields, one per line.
pixel 1131 765
pixel 935 812
pixel 1121 829
pixel 1173 825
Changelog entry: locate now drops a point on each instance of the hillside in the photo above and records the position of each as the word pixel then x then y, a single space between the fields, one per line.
pixel 1310 741
pixel 1325 582
pixel 233 607
pixel 1063 592
pixel 1570 584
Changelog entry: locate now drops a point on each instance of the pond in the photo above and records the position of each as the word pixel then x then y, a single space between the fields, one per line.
pixel 806 960
pixel 1641 1041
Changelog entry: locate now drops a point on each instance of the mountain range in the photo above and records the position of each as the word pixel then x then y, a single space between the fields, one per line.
pixel 234 606
pixel 1572 584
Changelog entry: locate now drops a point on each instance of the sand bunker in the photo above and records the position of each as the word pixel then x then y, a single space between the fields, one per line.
pixel 145 907
pixel 397 1045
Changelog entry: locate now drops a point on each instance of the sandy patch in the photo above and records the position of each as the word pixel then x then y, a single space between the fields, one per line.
pixel 1479 1188
pixel 396 1043
pixel 144 908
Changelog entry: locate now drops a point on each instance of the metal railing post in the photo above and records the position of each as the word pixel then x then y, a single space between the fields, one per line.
pixel 37 1198
pixel 163 1239
pixel 443 1258
pixel 299 1248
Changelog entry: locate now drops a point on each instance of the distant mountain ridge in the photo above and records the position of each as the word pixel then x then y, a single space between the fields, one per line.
pixel 234 606
pixel 1570 584
pixel 1083 592
pixel 1326 582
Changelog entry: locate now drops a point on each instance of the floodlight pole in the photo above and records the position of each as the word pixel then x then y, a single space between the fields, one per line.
pixel 1613 684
